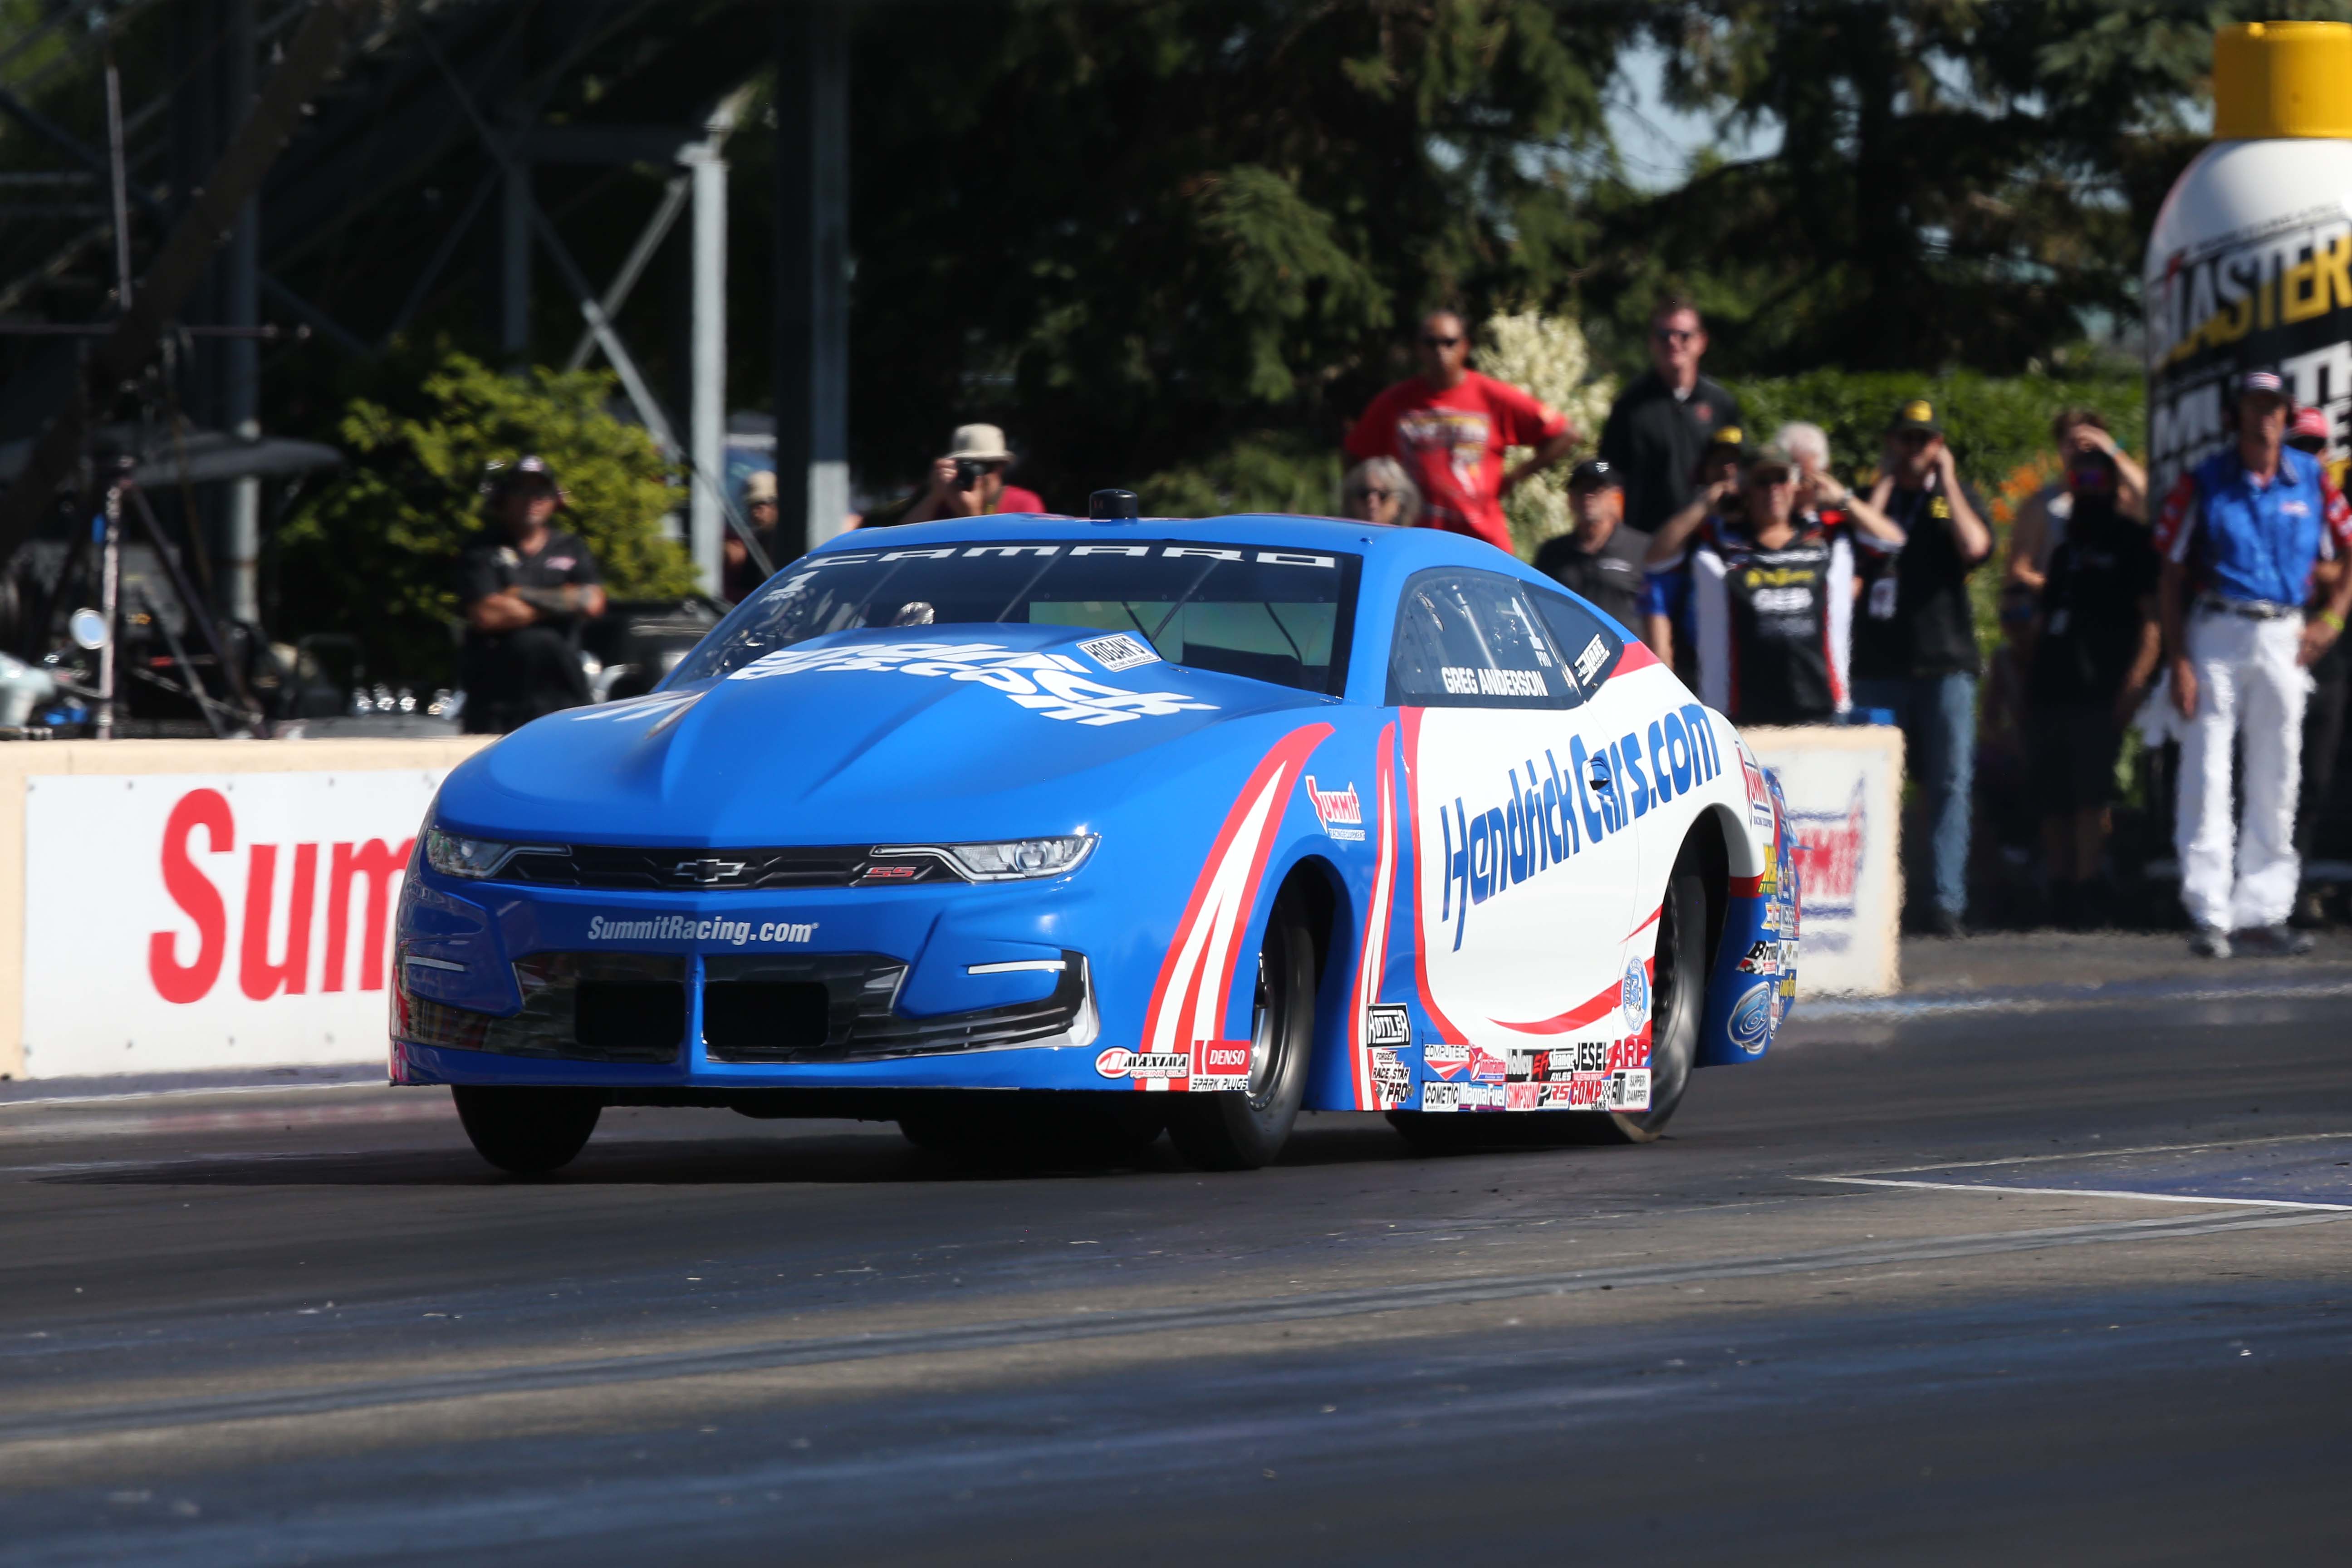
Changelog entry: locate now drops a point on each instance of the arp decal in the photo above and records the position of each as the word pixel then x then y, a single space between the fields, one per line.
pixel 1339 810
pixel 1753 1017
pixel 1196 978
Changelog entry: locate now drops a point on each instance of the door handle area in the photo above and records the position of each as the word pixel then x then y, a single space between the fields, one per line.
pixel 1597 775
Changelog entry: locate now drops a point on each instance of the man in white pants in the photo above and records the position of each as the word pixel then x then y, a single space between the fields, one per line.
pixel 2240 534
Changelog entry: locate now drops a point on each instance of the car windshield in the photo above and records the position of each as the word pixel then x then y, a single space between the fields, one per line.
pixel 1283 616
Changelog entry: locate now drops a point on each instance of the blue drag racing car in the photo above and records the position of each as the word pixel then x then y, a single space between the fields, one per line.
pixel 1046 834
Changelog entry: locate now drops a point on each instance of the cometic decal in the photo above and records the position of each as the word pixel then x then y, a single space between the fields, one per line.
pixel 1196 978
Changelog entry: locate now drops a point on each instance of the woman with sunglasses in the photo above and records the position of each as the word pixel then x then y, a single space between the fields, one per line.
pixel 1377 490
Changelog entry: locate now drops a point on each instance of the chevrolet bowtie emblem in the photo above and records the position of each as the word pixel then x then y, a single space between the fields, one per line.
pixel 708 870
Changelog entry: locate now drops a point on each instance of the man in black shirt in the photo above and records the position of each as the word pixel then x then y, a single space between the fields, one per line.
pixel 1915 642
pixel 1598 558
pixel 1663 420
pixel 2095 653
pixel 525 588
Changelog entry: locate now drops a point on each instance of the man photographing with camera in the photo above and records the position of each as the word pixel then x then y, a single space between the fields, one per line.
pixel 968 481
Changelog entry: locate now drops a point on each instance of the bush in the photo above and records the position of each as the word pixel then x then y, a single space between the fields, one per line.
pixel 1280 471
pixel 374 554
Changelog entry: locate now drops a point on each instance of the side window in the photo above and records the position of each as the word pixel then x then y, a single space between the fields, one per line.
pixel 1469 640
pixel 1591 650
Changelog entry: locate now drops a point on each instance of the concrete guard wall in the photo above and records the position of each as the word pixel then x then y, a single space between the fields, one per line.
pixel 149 892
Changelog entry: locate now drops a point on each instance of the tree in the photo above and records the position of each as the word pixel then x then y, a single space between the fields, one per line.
pixel 1139 232
pixel 375 553
pixel 1957 183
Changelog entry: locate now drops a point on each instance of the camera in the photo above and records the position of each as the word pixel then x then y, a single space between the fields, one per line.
pixel 967 472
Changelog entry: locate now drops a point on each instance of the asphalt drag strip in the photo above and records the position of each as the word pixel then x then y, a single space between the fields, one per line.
pixel 2060 1285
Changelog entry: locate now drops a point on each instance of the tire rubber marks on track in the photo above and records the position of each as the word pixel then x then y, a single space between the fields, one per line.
pixel 614 1371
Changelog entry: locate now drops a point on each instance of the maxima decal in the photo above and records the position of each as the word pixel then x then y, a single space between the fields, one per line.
pixel 1196 978
pixel 1054 684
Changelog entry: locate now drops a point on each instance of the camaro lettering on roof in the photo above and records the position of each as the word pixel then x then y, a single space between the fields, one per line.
pixel 690 928
pixel 949 552
pixel 1548 817
pixel 1052 684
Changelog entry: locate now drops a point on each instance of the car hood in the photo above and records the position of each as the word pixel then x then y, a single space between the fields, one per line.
pixel 956 731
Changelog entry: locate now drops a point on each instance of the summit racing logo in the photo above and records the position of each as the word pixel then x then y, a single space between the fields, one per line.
pixel 1341 810
pixel 1550 817
pixel 686 928
pixel 1054 684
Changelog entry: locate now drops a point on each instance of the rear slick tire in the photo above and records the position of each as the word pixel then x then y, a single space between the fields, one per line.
pixel 528 1131
pixel 1246 1129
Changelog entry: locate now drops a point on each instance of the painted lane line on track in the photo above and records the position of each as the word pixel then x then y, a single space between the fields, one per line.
pixel 2263 1142
pixel 2080 1193
pixel 473 1384
pixel 2123 994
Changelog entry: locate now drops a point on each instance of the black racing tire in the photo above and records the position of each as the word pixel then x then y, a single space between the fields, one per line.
pixel 1245 1129
pixel 529 1131
pixel 1677 1006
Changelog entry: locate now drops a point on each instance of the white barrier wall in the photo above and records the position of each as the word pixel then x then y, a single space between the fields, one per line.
pixel 1844 789
pixel 184 905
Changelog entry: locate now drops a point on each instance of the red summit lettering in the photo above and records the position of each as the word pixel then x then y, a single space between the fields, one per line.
pixel 197 897
pixel 260 978
pixel 378 864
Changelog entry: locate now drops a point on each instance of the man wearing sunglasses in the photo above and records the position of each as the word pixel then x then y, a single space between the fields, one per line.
pixel 1661 422
pixel 1914 644
pixel 1449 426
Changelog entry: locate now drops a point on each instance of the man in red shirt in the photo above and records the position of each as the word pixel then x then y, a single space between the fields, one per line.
pixel 1449 425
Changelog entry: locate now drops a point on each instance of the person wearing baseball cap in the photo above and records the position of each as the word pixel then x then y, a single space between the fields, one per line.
pixel 1666 603
pixel 737 575
pixel 1771 601
pixel 2241 534
pixel 1914 644
pixel 1598 557
pixel 525 589
pixel 968 481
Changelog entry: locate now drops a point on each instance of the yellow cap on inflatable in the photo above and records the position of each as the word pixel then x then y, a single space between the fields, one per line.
pixel 2282 78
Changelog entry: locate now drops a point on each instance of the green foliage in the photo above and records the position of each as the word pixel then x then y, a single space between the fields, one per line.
pixel 1953 183
pixel 374 554
pixel 1278 473
pixel 1995 424
pixel 1136 232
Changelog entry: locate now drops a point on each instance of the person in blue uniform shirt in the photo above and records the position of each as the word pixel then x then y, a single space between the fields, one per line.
pixel 2240 534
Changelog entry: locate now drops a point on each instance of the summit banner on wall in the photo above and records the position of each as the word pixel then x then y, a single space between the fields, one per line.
pixel 185 922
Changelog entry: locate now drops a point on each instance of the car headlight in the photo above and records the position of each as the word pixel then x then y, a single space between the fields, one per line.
pixel 455 855
pixel 1010 860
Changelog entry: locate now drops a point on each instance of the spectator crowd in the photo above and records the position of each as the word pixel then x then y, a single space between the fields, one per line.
pixel 2209 618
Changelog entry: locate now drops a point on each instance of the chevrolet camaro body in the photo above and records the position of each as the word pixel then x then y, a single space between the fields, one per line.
pixel 1004 804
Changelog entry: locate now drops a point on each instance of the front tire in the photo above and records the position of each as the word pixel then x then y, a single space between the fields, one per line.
pixel 1244 1130
pixel 529 1131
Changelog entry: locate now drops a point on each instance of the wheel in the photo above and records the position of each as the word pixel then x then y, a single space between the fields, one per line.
pixel 1677 1001
pixel 530 1131
pixel 1244 1129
